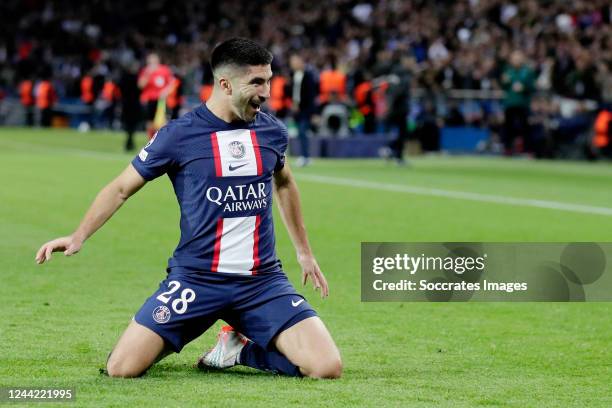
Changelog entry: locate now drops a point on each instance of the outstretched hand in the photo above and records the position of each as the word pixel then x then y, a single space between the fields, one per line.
pixel 310 268
pixel 69 245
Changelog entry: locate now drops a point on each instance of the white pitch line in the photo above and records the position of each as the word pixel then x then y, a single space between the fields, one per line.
pixel 461 195
pixel 67 151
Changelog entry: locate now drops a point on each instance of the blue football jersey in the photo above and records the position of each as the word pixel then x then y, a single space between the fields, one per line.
pixel 222 177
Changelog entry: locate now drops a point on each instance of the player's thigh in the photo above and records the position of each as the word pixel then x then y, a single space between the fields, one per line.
pixel 181 309
pixel 137 349
pixel 309 345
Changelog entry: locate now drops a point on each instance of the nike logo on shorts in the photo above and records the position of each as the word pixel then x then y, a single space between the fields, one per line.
pixel 296 304
pixel 232 168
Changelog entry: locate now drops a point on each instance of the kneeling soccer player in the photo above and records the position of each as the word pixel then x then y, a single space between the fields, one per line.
pixel 223 159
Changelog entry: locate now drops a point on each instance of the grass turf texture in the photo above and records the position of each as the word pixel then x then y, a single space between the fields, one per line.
pixel 60 320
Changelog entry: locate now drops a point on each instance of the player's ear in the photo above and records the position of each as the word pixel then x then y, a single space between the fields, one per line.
pixel 226 86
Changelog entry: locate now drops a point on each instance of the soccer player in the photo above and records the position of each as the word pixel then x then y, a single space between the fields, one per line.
pixel 225 159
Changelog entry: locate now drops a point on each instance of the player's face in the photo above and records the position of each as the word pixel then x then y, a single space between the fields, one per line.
pixel 252 88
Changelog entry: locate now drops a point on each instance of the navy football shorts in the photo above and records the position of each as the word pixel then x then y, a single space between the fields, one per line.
pixel 187 304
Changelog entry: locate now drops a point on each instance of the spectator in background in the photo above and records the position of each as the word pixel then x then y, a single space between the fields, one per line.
pixel 88 97
pixel 399 100
pixel 280 100
pixel 428 127
pixel 99 72
pixel 175 99
pixel 364 99
pixel 303 103
pixel 518 83
pixel 110 97
pixel 332 81
pixel 602 138
pixel 154 80
pixel 26 97
pixel 563 65
pixel 541 120
pixel 580 82
pixel 46 98
pixel 130 103
pixel 604 76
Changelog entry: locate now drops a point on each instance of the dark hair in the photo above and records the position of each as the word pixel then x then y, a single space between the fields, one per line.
pixel 239 52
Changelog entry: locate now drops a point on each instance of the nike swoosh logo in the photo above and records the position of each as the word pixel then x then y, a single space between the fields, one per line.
pixel 232 168
pixel 296 304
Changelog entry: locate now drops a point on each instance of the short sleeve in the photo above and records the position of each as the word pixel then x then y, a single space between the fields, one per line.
pixel 158 156
pixel 282 147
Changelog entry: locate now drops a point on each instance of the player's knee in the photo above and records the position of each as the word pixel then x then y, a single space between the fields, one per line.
pixel 330 368
pixel 122 369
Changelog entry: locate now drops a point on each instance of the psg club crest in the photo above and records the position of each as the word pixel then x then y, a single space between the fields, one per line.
pixel 237 149
pixel 161 314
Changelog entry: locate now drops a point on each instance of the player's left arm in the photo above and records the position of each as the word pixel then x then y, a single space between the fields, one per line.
pixel 288 199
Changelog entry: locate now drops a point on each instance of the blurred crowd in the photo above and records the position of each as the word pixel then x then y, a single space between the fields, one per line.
pixel 389 62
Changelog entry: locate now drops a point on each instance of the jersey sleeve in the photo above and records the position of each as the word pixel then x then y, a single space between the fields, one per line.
pixel 282 147
pixel 158 156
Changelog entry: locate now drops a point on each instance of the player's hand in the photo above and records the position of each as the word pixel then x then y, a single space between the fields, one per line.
pixel 69 245
pixel 310 268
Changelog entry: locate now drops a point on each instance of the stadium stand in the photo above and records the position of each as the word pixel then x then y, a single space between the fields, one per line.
pixel 458 55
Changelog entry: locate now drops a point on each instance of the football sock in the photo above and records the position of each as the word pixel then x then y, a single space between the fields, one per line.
pixel 257 357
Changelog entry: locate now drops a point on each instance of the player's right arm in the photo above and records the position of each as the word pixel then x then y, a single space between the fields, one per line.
pixel 108 200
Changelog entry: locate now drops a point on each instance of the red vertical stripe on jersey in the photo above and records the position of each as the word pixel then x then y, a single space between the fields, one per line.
pixel 218 234
pixel 256 245
pixel 257 153
pixel 217 154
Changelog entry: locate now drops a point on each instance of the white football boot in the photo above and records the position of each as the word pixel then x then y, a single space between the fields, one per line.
pixel 227 350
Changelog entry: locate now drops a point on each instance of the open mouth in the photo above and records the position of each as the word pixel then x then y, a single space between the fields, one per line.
pixel 255 105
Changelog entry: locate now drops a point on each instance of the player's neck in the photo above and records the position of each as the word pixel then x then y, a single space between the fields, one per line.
pixel 221 110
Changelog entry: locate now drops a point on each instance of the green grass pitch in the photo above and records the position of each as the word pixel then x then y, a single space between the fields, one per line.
pixel 60 320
